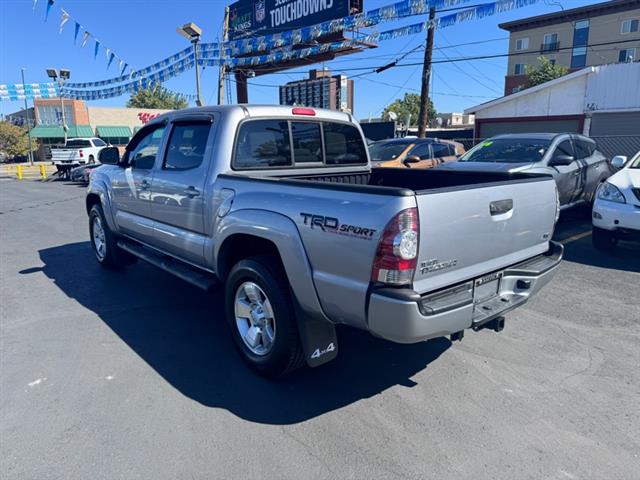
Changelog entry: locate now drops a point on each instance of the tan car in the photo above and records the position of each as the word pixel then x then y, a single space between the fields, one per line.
pixel 414 152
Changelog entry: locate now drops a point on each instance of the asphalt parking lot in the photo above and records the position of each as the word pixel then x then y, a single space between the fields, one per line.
pixel 132 375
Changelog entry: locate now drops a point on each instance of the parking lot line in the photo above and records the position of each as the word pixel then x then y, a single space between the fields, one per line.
pixel 573 238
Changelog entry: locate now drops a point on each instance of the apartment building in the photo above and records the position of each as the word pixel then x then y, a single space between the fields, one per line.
pixel 598 34
pixel 320 90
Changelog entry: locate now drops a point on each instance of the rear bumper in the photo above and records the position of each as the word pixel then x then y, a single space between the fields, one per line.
pixel 404 316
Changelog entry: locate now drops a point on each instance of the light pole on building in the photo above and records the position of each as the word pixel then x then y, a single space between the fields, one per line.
pixel 60 78
pixel 26 111
pixel 192 32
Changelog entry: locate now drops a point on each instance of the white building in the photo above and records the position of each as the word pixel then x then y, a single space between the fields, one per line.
pixel 597 101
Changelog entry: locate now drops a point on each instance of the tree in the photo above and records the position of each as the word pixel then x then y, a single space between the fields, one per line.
pixel 544 72
pixel 409 104
pixel 157 97
pixel 14 140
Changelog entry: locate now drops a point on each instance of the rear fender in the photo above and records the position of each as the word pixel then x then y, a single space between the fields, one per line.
pixel 317 332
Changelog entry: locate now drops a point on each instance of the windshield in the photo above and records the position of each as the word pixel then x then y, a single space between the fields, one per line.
pixel 508 150
pixel 635 163
pixel 383 151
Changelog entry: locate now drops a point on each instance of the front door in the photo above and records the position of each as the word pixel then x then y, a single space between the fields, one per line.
pixel 132 185
pixel 177 193
pixel 567 176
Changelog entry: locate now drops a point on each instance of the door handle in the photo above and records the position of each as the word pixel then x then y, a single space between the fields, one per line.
pixel 144 185
pixel 191 192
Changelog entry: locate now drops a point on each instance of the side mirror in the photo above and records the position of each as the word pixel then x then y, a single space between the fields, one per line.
pixel 411 159
pixel 109 156
pixel 618 161
pixel 562 159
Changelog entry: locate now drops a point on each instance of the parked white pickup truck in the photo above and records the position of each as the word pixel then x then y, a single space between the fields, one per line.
pixel 77 151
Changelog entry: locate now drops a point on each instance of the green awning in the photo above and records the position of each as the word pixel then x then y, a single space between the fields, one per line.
pixel 113 131
pixel 55 131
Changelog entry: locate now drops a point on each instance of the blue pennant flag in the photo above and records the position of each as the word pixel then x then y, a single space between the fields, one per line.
pixel 75 33
pixel 95 49
pixel 111 57
pixel 49 5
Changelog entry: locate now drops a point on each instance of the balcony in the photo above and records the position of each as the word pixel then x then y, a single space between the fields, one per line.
pixel 549 47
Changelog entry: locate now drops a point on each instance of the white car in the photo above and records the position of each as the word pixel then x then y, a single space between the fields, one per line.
pixel 616 210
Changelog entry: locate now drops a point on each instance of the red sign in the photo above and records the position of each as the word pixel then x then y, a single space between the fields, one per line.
pixel 147 117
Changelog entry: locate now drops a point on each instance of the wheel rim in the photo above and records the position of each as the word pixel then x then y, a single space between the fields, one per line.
pixel 255 319
pixel 99 242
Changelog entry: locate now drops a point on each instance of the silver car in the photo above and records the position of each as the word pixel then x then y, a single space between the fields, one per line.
pixel 573 160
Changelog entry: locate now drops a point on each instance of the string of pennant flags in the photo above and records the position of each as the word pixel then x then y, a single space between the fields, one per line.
pixel 473 13
pixel 65 17
pixel 280 45
pixel 19 91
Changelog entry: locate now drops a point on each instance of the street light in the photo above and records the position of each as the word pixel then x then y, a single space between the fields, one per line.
pixel 60 78
pixel 192 32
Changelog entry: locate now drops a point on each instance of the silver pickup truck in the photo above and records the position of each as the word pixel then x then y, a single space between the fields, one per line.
pixel 281 206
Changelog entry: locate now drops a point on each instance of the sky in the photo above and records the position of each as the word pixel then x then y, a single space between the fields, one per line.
pixel 143 32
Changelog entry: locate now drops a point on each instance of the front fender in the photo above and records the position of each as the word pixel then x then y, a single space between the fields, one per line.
pixel 317 332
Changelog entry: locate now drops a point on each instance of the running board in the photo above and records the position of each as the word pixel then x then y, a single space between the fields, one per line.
pixel 181 270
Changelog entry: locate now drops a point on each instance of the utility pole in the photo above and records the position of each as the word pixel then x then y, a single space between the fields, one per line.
pixel 26 111
pixel 223 68
pixel 426 76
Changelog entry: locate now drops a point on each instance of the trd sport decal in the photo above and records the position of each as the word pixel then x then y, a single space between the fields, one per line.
pixel 333 225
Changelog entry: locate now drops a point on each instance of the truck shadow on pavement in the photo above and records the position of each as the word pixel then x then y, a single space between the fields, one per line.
pixel 180 332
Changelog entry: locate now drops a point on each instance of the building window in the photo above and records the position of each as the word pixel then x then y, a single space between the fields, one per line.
pixel 522 43
pixel 550 43
pixel 516 89
pixel 629 25
pixel 579 57
pixel 518 69
pixel 627 55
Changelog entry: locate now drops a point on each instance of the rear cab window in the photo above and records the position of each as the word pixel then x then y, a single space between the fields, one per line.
pixel 275 143
pixel 78 143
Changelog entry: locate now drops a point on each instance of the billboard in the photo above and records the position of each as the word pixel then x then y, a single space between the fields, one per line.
pixel 251 18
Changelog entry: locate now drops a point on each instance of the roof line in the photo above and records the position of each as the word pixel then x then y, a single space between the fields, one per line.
pixel 527 91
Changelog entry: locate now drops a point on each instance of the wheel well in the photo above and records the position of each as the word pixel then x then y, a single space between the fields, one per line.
pixel 240 246
pixel 92 199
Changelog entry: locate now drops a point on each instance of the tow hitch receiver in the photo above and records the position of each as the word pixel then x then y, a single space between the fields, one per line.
pixel 497 325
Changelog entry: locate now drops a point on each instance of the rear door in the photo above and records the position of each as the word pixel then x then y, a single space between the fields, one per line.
pixel 568 177
pixel 594 163
pixel 423 151
pixel 131 185
pixel 177 193
pixel 470 231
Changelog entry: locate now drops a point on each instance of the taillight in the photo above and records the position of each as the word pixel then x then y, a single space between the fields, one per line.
pixel 397 254
pixel 81 154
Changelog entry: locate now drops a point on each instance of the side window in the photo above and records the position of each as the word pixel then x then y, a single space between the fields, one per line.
pixel 440 150
pixel 186 146
pixel 343 144
pixel 421 150
pixel 307 144
pixel 564 148
pixel 263 144
pixel 584 148
pixel 97 142
pixel 144 152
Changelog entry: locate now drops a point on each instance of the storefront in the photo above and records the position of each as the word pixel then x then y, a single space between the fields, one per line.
pixel 115 126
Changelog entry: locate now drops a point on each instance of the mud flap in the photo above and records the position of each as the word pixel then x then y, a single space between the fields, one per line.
pixel 318 337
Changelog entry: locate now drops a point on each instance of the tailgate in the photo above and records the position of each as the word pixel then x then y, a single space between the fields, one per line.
pixel 469 231
pixel 63 154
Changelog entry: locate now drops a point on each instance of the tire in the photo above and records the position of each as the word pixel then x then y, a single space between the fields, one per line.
pixel 603 239
pixel 92 159
pixel 104 242
pixel 262 320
